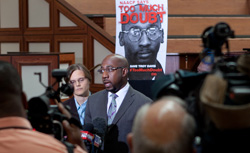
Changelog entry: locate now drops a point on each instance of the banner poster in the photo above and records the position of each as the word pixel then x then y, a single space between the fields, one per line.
pixel 141 36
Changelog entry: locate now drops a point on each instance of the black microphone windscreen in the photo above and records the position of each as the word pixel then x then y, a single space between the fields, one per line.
pixel 88 127
pixel 100 126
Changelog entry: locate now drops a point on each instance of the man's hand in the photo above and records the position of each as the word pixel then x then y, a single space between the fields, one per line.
pixel 73 132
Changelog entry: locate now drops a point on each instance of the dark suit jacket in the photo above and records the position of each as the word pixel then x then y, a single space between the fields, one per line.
pixel 115 140
pixel 73 110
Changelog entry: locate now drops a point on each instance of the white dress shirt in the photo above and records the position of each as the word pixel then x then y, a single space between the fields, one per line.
pixel 121 94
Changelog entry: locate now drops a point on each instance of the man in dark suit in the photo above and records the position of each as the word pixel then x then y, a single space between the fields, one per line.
pixel 80 78
pixel 114 70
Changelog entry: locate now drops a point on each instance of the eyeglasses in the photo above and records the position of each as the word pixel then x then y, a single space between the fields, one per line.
pixel 80 80
pixel 109 69
pixel 135 33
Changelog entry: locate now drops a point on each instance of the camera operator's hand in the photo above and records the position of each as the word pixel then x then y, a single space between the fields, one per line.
pixel 73 131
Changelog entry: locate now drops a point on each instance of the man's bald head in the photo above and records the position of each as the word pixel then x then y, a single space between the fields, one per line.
pixel 118 77
pixel 119 59
pixel 164 126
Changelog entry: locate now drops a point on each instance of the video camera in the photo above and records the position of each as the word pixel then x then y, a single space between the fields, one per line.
pixel 214 37
pixel 187 85
pixel 219 97
pixel 45 117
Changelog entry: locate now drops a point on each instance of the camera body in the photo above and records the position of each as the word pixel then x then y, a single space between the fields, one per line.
pixel 45 117
pixel 214 37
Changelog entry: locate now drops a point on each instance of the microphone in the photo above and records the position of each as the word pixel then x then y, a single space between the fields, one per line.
pixel 97 141
pixel 87 135
pixel 100 127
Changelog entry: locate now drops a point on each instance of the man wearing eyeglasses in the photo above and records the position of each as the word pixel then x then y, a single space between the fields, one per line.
pixel 117 104
pixel 141 43
pixel 80 78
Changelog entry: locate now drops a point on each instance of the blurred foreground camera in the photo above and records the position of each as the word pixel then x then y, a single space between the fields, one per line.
pixel 45 117
pixel 178 84
pixel 218 99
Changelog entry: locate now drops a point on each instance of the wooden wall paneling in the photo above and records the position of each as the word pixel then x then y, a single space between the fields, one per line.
pixel 25 59
pixel 184 61
pixel 10 31
pixel 192 25
pixel 184 45
pixel 14 31
pixel 99 20
pixel 248 6
pixel 86 55
pixel 10 38
pixel 109 44
pixel 94 35
pixel 37 30
pixel 196 25
pixel 90 53
pixel 34 59
pixel 68 58
pixel 21 21
pixel 85 19
pixel 90 61
pixel 172 63
pixel 195 45
pixel 94 7
pixel 229 7
pixel 96 87
pixel 91 25
pixel 37 39
pixel 237 44
pixel 62 8
pixel 189 62
pixel 110 25
pixel 69 38
pixel 18 39
pixel 6 58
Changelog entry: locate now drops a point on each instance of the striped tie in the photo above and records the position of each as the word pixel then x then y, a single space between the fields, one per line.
pixel 112 109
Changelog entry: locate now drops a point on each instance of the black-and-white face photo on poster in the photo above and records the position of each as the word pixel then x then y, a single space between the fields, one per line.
pixel 141 36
